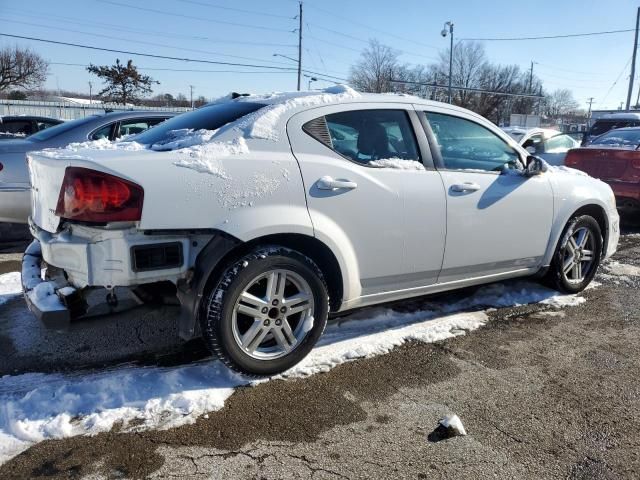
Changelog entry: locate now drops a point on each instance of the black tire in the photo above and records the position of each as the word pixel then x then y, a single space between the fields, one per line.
pixel 219 304
pixel 555 277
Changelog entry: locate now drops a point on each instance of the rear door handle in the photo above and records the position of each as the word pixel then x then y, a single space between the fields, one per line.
pixel 328 183
pixel 465 187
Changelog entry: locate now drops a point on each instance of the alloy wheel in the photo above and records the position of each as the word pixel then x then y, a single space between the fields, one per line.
pixel 578 255
pixel 273 314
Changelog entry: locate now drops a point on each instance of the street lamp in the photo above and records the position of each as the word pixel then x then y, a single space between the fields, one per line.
pixel 293 60
pixel 311 79
pixel 444 33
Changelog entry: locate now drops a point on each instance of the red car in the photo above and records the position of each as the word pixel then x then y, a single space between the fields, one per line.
pixel 614 158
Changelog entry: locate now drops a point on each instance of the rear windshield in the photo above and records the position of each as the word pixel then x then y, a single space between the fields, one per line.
pixel 206 118
pixel 58 129
pixel 626 138
pixel 603 126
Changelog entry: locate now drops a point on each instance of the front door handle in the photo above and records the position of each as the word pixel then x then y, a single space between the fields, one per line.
pixel 328 183
pixel 465 187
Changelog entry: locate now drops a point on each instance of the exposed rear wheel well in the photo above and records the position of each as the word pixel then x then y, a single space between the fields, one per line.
pixel 311 247
pixel 598 213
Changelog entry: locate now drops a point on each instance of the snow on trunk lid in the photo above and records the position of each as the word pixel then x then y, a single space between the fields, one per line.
pixel 46 175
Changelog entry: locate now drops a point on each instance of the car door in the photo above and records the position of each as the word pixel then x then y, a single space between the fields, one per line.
pixel 390 214
pixel 497 222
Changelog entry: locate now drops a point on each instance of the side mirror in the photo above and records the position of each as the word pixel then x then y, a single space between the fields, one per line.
pixel 535 166
pixel 531 149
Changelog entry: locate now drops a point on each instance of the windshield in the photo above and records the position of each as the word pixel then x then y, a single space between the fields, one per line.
pixel 206 118
pixel 58 129
pixel 627 138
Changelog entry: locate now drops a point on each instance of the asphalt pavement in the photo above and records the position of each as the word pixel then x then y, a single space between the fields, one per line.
pixel 543 393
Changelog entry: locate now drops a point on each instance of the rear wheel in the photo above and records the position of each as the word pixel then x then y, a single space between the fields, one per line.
pixel 577 255
pixel 267 312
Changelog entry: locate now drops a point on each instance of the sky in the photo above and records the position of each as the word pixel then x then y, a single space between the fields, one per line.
pixel 334 34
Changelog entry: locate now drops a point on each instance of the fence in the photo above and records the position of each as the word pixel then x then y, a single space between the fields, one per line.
pixel 69 110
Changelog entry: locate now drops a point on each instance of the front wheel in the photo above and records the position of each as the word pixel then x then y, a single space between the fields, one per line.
pixel 577 255
pixel 267 312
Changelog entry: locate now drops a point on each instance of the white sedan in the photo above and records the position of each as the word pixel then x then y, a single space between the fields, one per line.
pixel 262 215
pixel 547 143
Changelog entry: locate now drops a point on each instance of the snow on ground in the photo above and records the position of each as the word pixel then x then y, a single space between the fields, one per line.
pixel 10 286
pixel 397 163
pixel 621 269
pixel 36 406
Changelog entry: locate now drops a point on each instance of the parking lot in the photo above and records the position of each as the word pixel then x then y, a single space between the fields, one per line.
pixel 544 391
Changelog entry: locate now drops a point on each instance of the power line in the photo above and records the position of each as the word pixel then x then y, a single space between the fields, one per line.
pixel 546 37
pixel 233 9
pixel 470 89
pixel 164 57
pixel 138 31
pixel 192 17
pixel 616 80
pixel 291 70
pixel 545 65
pixel 154 44
pixel 368 27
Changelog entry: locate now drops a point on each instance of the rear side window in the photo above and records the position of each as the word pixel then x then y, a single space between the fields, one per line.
pixel 103 132
pixel 466 145
pixel 17 127
pixel 206 118
pixel 367 135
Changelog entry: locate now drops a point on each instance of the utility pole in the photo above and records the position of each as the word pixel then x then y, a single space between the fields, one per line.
pixel 191 90
pixel 299 45
pixel 444 34
pixel 90 95
pixel 531 77
pixel 590 102
pixel 633 60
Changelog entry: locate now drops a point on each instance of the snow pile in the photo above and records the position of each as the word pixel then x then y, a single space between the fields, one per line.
pixel 621 269
pixel 34 407
pixel 184 138
pixel 397 163
pixel 262 124
pixel 206 158
pixel 101 144
pixel 10 286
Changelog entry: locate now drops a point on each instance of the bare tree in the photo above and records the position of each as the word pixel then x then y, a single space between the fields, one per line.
pixel 21 68
pixel 375 69
pixel 560 102
pixel 124 83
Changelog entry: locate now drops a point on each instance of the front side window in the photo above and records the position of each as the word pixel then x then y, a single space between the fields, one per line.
pixel 466 145
pixel 368 135
pixel 559 144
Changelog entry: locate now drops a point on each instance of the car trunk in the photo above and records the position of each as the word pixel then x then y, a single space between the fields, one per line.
pixel 606 163
pixel 46 175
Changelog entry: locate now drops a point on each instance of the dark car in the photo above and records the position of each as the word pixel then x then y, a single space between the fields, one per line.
pixel 14 177
pixel 608 122
pixel 20 126
pixel 613 158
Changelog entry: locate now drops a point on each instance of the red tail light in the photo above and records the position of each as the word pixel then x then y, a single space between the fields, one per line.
pixel 91 196
pixel 571 159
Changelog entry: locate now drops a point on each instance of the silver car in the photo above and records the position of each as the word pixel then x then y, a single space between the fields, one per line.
pixel 14 178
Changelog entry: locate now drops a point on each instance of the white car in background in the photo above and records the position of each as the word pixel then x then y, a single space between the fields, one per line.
pixel 265 214
pixel 547 143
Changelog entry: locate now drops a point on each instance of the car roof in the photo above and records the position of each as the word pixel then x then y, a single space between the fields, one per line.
pixel 4 118
pixel 633 129
pixel 619 116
